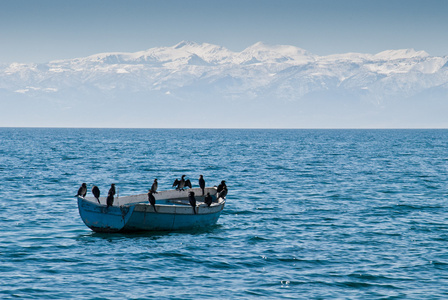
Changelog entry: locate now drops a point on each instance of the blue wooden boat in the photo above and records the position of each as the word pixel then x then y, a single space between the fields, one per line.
pixel 134 213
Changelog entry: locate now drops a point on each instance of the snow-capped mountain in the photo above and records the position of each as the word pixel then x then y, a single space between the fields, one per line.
pixel 259 76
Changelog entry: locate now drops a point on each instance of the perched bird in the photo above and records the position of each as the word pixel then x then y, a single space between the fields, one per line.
pixel 221 186
pixel 112 190
pixel 110 195
pixel 177 183
pixel 223 193
pixel 192 200
pixel 154 186
pixel 152 199
pixel 110 200
pixel 202 184
pixel 208 199
pixel 180 184
pixel 82 191
pixel 96 193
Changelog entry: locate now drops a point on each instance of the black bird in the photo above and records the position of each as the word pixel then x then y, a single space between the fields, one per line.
pixel 110 200
pixel 110 195
pixel 202 184
pixel 192 200
pixel 182 183
pixel 223 193
pixel 208 199
pixel 152 199
pixel 154 186
pixel 177 183
pixel 96 193
pixel 221 186
pixel 112 190
pixel 82 191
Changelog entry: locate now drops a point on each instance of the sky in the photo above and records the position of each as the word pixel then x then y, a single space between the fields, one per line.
pixel 45 30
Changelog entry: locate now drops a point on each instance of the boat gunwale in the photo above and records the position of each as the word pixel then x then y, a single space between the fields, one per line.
pixel 180 201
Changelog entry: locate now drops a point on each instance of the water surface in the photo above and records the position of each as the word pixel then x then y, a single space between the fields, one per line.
pixel 311 214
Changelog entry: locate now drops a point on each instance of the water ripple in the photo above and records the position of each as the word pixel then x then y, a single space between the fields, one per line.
pixel 311 214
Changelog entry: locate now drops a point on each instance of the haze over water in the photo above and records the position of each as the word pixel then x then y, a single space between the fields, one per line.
pixel 310 214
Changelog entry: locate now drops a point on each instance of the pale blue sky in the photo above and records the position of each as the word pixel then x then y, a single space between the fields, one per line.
pixel 40 31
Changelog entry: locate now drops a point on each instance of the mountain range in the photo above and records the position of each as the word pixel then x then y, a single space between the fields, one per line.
pixel 205 85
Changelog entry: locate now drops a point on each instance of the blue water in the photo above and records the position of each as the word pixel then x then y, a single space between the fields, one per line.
pixel 311 214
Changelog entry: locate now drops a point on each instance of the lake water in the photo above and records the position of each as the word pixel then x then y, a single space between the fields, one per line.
pixel 310 214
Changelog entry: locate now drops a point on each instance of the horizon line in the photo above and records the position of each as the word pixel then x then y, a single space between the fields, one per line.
pixel 231 128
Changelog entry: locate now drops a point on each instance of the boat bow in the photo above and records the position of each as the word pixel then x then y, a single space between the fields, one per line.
pixel 102 218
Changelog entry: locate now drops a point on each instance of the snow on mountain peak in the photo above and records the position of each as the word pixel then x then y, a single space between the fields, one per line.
pixel 400 54
pixel 262 52
pixel 260 67
pixel 285 49
pixel 190 53
pixel 201 50
pixel 185 44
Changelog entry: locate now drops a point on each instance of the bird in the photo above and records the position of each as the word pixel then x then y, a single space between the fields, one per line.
pixel 177 183
pixel 82 191
pixel 154 186
pixel 152 199
pixel 96 193
pixel 110 200
pixel 110 195
pixel 221 186
pixel 112 190
pixel 182 183
pixel 223 193
pixel 202 184
pixel 192 200
pixel 208 199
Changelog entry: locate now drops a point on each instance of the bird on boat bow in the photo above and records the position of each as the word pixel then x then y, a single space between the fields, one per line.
pixel 96 193
pixel 82 191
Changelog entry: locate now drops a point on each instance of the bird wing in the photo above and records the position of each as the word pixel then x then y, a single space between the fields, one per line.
pixel 176 183
pixel 188 183
pixel 223 193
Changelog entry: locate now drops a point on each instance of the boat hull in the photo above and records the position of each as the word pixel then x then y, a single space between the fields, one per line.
pixel 135 213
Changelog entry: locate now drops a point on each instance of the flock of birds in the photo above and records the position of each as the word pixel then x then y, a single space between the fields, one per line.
pixel 179 184
pixel 82 191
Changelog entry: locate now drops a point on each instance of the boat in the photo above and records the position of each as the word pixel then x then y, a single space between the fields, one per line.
pixel 172 211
